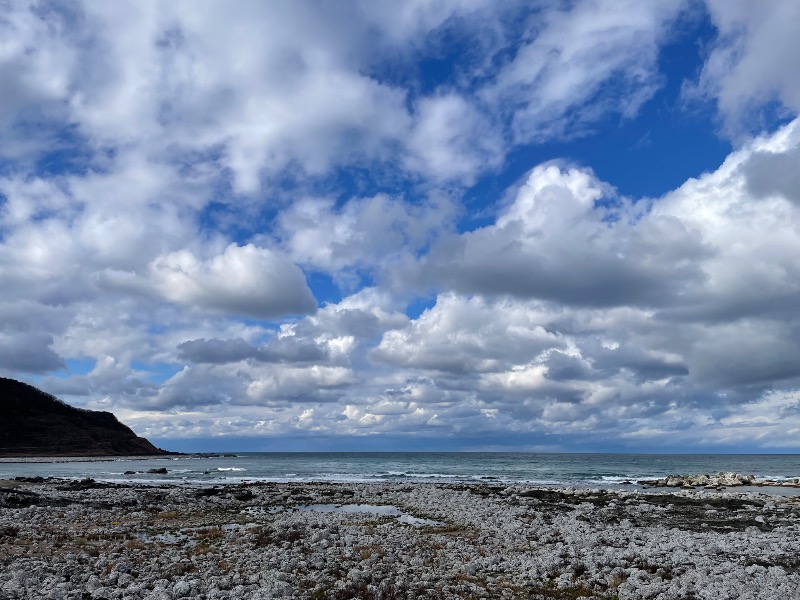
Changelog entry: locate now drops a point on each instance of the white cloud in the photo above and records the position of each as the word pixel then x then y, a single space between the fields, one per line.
pixel 264 89
pixel 173 80
pixel 306 384
pixel 364 233
pixel 557 241
pixel 509 354
pixel 462 335
pixel 752 240
pixel 37 64
pixel 753 62
pixel 33 198
pixel 452 139
pixel 555 83
pixel 245 280
pixel 690 356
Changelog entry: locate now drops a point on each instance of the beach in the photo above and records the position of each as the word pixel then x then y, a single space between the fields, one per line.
pixel 69 539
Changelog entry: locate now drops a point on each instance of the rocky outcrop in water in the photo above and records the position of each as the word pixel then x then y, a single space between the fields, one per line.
pixel 34 423
pixel 718 480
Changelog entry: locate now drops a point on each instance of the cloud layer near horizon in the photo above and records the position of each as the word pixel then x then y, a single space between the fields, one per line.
pixel 253 222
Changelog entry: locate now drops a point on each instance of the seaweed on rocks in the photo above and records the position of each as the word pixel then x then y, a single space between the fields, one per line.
pixel 243 495
pixel 209 491
pixel 16 498
pixel 83 484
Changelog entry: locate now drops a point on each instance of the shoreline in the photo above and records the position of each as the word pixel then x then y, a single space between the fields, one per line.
pixel 65 538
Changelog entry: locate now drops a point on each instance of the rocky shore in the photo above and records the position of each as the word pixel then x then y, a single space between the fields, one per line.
pixel 83 539
pixel 719 480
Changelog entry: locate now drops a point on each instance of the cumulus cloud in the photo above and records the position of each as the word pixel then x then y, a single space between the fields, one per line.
pixel 216 351
pixel 281 349
pixel 452 139
pixel 170 81
pixel 772 171
pixel 29 353
pixel 263 106
pixel 690 355
pixel 364 233
pixel 464 336
pixel 36 69
pixel 750 270
pixel 561 240
pixel 245 280
pixel 27 328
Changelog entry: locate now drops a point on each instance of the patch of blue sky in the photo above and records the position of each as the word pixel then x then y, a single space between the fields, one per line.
pixel 158 372
pixel 75 366
pixel 366 181
pixel 68 153
pixel 419 305
pixel 422 73
pixel 324 288
pixel 768 117
pixel 3 208
pixel 220 217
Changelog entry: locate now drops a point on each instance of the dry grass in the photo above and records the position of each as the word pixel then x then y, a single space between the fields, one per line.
pixel 369 551
pixel 210 533
pixel 167 515
pixel 269 536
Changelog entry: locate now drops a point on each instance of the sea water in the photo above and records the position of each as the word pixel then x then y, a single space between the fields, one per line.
pixel 500 467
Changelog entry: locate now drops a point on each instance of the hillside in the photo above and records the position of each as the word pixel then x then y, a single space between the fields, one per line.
pixel 34 423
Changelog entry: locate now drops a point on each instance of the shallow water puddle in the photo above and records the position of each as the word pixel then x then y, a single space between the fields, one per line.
pixel 372 509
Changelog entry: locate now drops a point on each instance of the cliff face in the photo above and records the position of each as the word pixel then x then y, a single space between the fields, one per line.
pixel 33 423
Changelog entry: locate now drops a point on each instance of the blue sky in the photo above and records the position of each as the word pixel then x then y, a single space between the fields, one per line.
pixel 373 225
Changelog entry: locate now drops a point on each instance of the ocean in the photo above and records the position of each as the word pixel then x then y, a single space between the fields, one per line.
pixel 594 470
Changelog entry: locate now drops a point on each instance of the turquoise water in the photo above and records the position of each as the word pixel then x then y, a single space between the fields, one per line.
pixel 564 469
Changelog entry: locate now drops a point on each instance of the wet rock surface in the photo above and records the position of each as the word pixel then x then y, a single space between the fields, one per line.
pixel 74 540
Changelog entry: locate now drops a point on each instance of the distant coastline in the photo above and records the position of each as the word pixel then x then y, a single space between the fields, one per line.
pixel 52 458
pixel 70 458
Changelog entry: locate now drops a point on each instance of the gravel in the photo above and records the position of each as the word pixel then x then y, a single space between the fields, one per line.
pixel 80 540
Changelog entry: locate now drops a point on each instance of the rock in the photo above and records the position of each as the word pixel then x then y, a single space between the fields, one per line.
pixel 727 479
pixel 158 471
pixel 245 495
pixel 83 484
pixel 182 589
